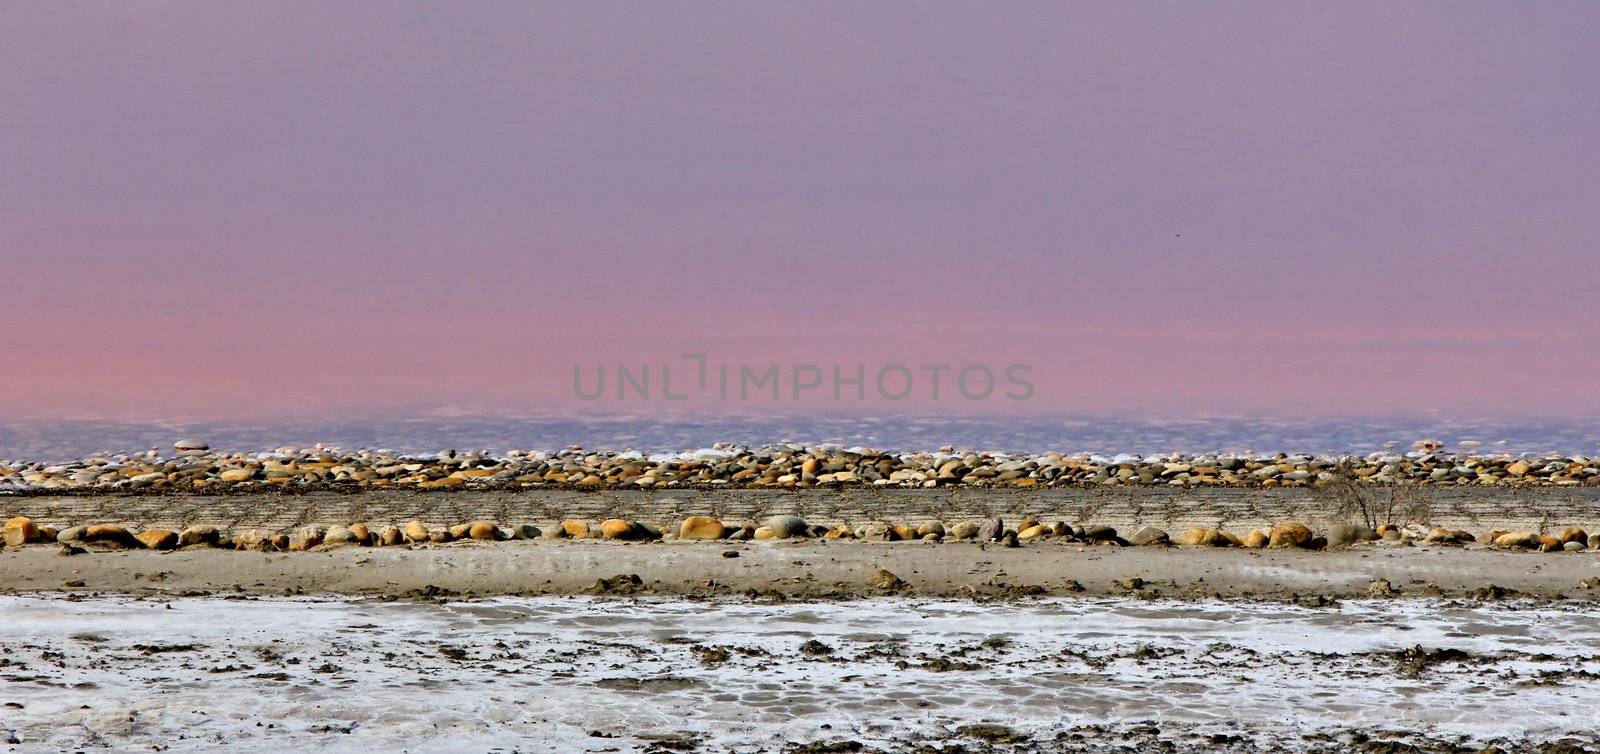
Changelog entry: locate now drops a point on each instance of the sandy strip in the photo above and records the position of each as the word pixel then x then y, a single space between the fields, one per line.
pixel 809 569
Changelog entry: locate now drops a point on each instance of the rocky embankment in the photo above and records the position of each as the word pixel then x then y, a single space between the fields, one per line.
pixel 79 537
pixel 194 468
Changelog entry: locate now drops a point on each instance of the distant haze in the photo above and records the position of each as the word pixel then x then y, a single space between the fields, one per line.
pixel 291 208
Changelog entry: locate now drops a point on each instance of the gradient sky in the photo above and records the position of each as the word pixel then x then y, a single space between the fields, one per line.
pixel 213 209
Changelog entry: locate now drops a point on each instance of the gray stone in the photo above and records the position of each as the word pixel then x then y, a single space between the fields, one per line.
pixel 1342 535
pixel 1100 534
pixel 199 534
pixel 784 527
pixel 525 531
pixel 1148 535
pixel 71 534
pixel 993 531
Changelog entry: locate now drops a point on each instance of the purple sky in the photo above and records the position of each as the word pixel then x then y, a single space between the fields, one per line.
pixel 289 207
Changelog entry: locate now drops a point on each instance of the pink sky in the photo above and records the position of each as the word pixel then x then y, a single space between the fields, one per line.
pixel 212 209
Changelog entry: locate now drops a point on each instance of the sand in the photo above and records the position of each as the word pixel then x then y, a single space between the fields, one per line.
pixel 809 569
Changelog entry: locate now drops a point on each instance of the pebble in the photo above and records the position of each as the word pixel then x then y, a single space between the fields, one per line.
pixel 194 466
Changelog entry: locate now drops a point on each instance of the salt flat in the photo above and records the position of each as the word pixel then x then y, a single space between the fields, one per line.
pixel 601 674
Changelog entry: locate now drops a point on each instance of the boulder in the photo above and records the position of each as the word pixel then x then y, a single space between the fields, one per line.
pixel 1573 534
pixel 765 532
pixel 415 531
pixel 390 536
pixel 786 526
pixel 1594 541
pixel 525 531
pixel 877 531
pixel 20 531
pixel 203 535
pixel 360 534
pixel 930 527
pixel 158 539
pixel 616 528
pixel 460 531
pixel 1548 543
pixel 338 536
pixel 1517 540
pixel 905 533
pixel 484 531
pixel 1033 532
pixel 256 540
pixel 700 527
pixel 965 530
pixel 575 529
pixel 1149 536
pixel 306 537
pixel 1344 535
pixel 1204 538
pixel 1100 534
pixel 993 530
pixel 1257 539
pixel 110 534
pixel 1290 534
pixel 1572 546
pixel 72 534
